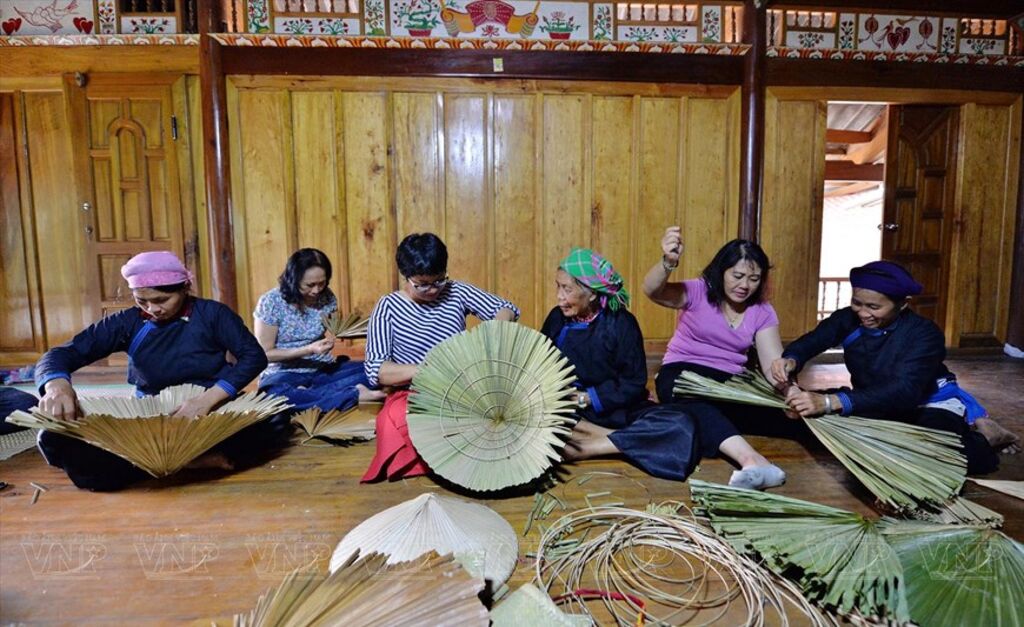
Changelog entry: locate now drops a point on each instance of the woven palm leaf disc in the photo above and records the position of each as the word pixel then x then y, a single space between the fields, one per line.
pixel 491 406
pixel 838 558
pixel 352 325
pixel 959 575
pixel 433 590
pixel 335 426
pixel 529 606
pixel 475 534
pixel 143 431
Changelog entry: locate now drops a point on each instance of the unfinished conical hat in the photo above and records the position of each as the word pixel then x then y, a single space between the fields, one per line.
pixel 491 406
pixel 479 538
pixel 434 590
pixel 530 606
pixel 143 431
pixel 335 426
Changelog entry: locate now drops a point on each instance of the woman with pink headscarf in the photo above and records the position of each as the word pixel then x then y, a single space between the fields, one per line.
pixel 171 338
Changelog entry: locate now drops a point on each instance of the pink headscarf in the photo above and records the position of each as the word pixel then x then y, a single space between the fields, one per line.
pixel 155 268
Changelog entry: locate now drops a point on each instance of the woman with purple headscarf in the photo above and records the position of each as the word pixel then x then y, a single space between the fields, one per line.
pixel 895 358
pixel 171 338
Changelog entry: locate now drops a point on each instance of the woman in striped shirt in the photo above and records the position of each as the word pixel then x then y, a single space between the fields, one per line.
pixel 404 326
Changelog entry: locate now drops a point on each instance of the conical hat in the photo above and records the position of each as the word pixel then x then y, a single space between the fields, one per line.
pixel 478 536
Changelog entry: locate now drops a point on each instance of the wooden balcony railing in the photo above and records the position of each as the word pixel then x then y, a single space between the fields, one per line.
pixel 833 294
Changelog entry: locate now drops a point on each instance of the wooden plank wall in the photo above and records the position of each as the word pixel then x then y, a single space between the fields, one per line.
pixel 982 256
pixel 794 176
pixel 511 174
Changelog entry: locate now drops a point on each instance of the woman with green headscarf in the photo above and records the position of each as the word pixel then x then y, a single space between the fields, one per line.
pixel 602 339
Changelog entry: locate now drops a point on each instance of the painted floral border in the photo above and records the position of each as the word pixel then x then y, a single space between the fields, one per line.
pixel 444 43
pixel 100 40
pixel 911 57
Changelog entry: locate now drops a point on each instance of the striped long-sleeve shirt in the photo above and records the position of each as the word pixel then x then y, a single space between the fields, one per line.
pixel 403 332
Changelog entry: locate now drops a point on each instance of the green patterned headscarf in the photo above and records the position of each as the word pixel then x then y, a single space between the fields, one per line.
pixel 597 273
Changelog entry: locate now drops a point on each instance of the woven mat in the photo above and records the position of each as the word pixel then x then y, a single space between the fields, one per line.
pixel 17 442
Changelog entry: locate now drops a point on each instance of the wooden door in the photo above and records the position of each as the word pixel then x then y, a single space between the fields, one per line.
pixel 127 166
pixel 920 193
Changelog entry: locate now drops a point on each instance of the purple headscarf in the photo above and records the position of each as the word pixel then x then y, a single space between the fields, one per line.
pixel 885 277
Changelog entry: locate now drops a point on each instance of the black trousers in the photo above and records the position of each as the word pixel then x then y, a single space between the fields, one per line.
pixel 92 468
pixel 11 400
pixel 717 421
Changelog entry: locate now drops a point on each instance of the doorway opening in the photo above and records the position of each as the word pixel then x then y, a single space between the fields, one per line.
pixel 856 139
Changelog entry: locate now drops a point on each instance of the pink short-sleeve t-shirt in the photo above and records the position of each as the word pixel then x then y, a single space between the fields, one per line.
pixel 703 335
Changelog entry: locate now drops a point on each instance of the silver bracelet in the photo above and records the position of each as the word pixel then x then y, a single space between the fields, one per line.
pixel 828 404
pixel 668 267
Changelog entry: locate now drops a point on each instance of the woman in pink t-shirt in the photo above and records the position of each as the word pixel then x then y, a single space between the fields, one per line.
pixel 722 315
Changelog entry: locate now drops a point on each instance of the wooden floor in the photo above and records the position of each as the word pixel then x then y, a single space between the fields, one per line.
pixel 195 547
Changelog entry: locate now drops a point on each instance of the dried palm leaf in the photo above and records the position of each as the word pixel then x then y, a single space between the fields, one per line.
pixel 959 511
pixel 431 591
pixel 143 431
pixel 838 558
pixel 352 325
pixel 903 465
pixel 480 539
pixel 335 426
pixel 959 575
pixel 1013 488
pixel 491 406
pixel 530 606
pixel 663 568
pixel 13 443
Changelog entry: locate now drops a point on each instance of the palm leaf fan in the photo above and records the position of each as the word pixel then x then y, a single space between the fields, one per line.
pixel 480 539
pixel 529 606
pixel 431 591
pixel 143 431
pixel 959 575
pixel 352 325
pixel 838 558
pixel 334 426
pixel 903 465
pixel 490 406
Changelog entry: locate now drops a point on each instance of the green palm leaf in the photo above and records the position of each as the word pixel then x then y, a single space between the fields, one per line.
pixel 838 558
pixel 959 575
pixel 490 407
pixel 903 465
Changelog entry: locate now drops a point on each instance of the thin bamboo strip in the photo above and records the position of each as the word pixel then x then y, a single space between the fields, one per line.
pixel 620 551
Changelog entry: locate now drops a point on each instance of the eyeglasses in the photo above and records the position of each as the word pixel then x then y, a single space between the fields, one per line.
pixel 426 287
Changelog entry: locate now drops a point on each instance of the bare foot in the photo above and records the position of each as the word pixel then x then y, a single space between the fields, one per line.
pixel 366 395
pixel 998 436
pixel 585 448
pixel 586 429
pixel 211 460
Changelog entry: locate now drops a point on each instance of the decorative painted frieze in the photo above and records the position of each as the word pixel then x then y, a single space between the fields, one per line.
pixel 317 26
pixel 148 25
pixel 898 33
pixel 101 40
pixel 47 17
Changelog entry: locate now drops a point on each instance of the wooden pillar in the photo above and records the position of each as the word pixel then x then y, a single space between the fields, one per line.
pixel 216 158
pixel 752 134
pixel 1015 330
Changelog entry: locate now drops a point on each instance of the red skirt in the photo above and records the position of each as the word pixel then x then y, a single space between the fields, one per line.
pixel 396 457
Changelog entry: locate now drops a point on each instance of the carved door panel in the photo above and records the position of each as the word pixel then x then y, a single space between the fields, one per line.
pixel 127 164
pixel 920 192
